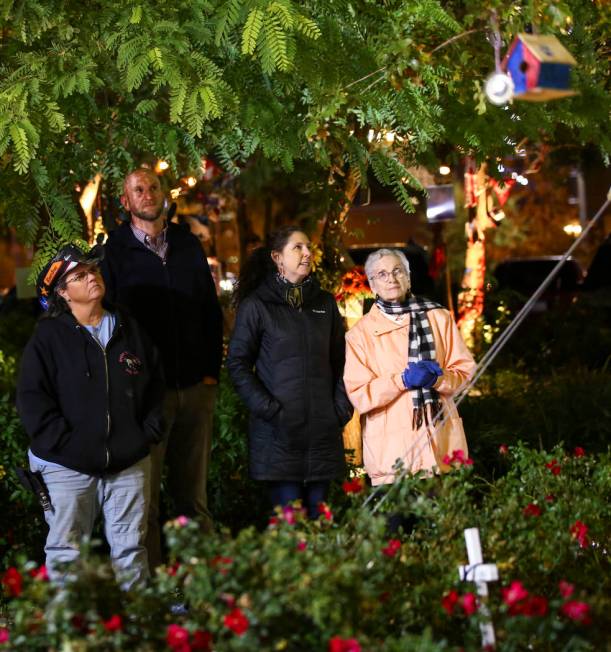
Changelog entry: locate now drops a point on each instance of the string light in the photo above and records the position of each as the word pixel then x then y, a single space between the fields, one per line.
pixel 572 229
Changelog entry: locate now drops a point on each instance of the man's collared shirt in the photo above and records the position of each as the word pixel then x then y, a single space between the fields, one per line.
pixel 158 245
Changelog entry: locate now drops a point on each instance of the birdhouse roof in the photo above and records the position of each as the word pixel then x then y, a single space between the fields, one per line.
pixel 544 47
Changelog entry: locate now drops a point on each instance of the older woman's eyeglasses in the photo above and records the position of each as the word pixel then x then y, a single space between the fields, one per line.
pixel 81 276
pixel 384 276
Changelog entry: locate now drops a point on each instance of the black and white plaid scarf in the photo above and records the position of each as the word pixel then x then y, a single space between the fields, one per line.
pixel 421 347
pixel 293 292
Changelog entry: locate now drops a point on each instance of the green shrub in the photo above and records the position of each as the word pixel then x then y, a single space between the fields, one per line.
pixel 570 407
pixel 233 498
pixel 349 584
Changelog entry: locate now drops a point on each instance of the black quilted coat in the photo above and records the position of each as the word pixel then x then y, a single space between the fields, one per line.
pixel 287 366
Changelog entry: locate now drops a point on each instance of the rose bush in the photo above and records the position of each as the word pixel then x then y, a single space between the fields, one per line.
pixel 345 582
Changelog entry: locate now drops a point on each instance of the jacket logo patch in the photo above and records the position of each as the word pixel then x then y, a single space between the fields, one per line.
pixel 131 363
pixel 320 312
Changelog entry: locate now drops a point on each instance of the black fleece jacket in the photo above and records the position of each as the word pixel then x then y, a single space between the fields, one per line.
pixel 92 410
pixel 287 365
pixel 174 300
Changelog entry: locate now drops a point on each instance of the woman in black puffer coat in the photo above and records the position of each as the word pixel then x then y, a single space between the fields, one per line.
pixel 286 361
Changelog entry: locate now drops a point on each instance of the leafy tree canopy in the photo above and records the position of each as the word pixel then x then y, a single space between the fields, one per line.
pixel 90 87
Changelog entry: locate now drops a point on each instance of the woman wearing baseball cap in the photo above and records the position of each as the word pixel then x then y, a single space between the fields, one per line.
pixel 89 394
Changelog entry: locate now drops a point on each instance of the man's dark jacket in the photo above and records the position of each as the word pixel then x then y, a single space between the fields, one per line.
pixel 92 410
pixel 174 300
pixel 287 366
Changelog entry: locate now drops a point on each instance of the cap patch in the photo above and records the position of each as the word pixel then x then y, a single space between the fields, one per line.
pixel 52 272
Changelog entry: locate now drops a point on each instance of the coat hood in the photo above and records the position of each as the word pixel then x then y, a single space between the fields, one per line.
pixel 271 290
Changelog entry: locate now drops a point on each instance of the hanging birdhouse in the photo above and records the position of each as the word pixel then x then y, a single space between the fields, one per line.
pixel 539 66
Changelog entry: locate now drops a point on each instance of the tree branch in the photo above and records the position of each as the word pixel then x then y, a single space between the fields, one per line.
pixel 454 38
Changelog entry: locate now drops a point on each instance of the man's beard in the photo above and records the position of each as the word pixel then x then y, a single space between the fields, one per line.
pixel 148 218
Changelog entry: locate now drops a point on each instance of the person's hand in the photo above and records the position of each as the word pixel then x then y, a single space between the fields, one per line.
pixel 423 373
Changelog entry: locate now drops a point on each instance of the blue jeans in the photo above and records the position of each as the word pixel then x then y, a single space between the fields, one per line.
pixel 310 494
pixel 78 498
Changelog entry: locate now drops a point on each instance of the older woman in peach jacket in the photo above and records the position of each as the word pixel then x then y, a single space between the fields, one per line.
pixel 401 377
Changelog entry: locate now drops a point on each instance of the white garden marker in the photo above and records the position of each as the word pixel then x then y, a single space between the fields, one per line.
pixel 481 574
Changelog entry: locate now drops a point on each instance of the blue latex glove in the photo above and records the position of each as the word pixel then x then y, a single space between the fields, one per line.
pixel 423 373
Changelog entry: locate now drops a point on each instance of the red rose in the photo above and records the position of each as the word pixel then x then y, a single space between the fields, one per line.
pixel 578 451
pixel 514 593
pixel 449 600
pixel 577 611
pixel 392 548
pixel 325 512
pixel 13 582
pixel 503 449
pixel 202 641
pixel 177 637
pixel 236 621
pixel 273 521
pixel 536 605
pixel 458 457
pixel 579 531
pixel 468 602
pixel 4 635
pixel 173 569
pixel 338 644
pixel 554 467
pixel 113 624
pixel 354 486
pixel 221 563
pixel 550 498
pixel 302 545
pixel 566 589
pixel 532 510
pixel 40 574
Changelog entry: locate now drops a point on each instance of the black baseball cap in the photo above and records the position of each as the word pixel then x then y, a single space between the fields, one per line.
pixel 66 259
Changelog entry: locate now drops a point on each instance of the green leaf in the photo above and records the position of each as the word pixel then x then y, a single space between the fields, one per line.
pixel 210 103
pixel 21 148
pixel 136 16
pixel 177 101
pixel 252 28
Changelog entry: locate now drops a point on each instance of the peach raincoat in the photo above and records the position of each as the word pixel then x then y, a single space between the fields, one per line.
pixel 376 355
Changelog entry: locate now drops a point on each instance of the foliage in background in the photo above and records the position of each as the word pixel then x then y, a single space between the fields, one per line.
pixel 345 582
pixel 235 500
pixel 89 88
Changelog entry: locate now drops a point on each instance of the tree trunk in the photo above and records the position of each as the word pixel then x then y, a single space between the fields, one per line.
pixel 335 261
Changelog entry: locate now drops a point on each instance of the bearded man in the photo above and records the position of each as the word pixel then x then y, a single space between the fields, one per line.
pixel 158 271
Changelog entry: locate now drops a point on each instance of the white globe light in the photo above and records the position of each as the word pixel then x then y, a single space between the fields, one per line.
pixel 498 88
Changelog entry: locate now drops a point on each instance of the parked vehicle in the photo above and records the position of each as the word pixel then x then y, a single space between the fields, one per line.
pixel 525 275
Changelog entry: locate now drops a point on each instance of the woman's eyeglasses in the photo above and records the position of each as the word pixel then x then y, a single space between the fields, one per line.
pixel 397 272
pixel 81 276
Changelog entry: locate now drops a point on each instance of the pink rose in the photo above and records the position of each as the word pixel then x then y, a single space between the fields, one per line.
pixel 577 611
